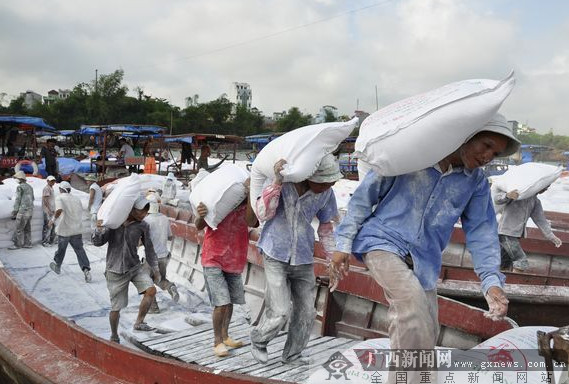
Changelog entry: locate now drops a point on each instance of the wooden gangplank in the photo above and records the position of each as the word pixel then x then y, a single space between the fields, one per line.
pixel 195 346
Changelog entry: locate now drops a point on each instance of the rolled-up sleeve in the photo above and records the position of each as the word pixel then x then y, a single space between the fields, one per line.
pixel 480 227
pixel 100 236
pixel 360 207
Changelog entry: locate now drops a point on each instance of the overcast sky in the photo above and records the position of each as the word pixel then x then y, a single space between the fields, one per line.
pixel 295 52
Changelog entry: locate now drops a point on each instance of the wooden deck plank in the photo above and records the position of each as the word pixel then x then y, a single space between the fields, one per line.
pixel 318 356
pixel 244 358
pixel 196 339
pixel 325 348
pixel 276 363
pixel 203 355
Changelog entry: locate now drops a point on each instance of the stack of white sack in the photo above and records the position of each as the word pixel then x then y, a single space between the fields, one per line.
pixel 302 148
pixel 117 206
pixel 7 198
pixel 221 192
pixel 418 132
pixel 146 182
pixel 528 179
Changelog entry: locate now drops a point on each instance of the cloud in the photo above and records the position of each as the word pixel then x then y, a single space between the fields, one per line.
pixel 292 53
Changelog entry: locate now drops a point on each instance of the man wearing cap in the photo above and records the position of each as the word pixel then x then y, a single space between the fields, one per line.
pixel 95 198
pixel 69 215
pixel 160 233
pixel 123 265
pixel 287 245
pixel 22 213
pixel 169 188
pixel 398 226
pixel 48 207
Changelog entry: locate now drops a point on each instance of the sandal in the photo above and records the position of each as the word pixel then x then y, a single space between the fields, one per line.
pixel 115 339
pixel 143 327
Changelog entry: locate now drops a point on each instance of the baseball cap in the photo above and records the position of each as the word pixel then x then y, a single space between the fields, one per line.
pixel 141 202
pixel 65 185
pixel 50 178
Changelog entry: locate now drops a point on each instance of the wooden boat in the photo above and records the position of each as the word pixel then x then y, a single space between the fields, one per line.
pixel 33 337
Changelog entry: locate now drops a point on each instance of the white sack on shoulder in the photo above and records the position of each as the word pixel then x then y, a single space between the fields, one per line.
pixel 417 132
pixel 116 208
pixel 302 148
pixel 221 191
pixel 528 179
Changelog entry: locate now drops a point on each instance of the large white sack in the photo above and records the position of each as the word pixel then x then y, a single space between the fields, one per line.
pixel 419 131
pixel 116 208
pixel 302 148
pixel 528 179
pixel 221 191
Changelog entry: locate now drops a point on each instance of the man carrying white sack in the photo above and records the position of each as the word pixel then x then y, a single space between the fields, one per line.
pixel 512 226
pixel 69 215
pixel 48 208
pixel 402 238
pixel 287 244
pixel 123 265
pixel 169 188
pixel 22 213
pixel 95 198
pixel 160 234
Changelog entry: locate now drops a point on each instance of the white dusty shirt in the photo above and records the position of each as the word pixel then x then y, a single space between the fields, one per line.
pixel 70 220
pixel 98 199
pixel 159 233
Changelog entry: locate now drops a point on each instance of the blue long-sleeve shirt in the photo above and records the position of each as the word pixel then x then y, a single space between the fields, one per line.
pixel 414 214
pixel 288 235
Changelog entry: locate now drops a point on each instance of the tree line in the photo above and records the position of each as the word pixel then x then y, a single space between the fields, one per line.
pixel 105 101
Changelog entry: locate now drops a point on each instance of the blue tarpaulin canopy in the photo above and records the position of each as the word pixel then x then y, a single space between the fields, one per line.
pixel 185 139
pixel 20 121
pixel 262 138
pixel 130 128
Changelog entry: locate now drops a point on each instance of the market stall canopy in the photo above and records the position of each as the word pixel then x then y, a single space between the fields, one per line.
pixel 25 122
pixel 181 139
pixel 124 128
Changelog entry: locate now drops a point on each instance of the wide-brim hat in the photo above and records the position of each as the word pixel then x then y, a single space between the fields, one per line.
pixel 20 175
pixel 499 124
pixel 328 171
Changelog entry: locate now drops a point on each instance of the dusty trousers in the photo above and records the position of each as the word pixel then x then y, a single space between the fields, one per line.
pixel 413 312
pixel 286 283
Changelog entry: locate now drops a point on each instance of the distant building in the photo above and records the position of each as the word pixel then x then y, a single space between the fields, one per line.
pixel 278 115
pixel 324 111
pixel 53 96
pixel 241 94
pixel 31 98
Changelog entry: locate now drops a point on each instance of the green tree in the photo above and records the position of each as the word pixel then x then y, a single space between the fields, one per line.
pixel 293 119
pixel 329 118
pixel 246 122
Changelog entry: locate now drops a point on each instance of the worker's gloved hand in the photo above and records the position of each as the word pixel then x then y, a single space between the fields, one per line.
pixel 513 195
pixel 497 303
pixel 338 268
pixel 557 241
pixel 156 275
